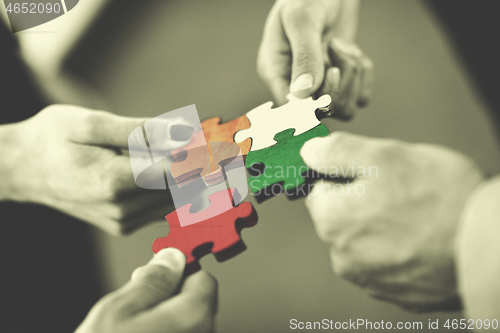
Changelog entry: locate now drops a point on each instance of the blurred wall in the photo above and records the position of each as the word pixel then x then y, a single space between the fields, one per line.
pixel 150 57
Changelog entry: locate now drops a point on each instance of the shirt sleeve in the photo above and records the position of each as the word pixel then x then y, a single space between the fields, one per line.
pixel 473 27
pixel 20 97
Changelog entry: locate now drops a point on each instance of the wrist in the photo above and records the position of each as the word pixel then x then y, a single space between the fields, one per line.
pixel 10 161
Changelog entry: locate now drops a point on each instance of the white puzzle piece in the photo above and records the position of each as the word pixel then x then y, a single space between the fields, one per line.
pixel 265 121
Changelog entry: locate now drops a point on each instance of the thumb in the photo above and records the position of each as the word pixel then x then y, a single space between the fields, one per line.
pixel 335 155
pixel 307 58
pixel 153 283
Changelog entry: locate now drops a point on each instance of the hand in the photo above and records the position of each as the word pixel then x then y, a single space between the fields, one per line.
pixel 70 159
pixel 150 303
pixel 391 228
pixel 307 49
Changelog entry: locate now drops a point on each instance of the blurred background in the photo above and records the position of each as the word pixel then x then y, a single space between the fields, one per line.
pixel 145 58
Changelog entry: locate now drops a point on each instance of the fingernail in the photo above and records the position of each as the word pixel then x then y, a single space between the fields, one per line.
pixel 303 82
pixel 171 258
pixel 335 77
pixel 181 132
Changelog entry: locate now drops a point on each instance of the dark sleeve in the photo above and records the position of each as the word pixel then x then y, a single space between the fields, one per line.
pixel 49 278
pixel 20 97
pixel 473 27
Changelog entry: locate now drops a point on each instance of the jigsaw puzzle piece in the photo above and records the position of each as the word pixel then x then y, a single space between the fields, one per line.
pixel 208 162
pixel 213 130
pixel 220 234
pixel 188 165
pixel 237 178
pixel 280 167
pixel 216 131
pixel 197 194
pixel 226 154
pixel 299 114
pixel 151 144
pixel 197 140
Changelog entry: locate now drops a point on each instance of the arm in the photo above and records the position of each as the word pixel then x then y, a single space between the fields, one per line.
pixel 10 155
pixel 478 252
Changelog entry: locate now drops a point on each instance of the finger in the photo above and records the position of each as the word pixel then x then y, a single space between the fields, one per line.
pixel 367 81
pixel 150 284
pixel 153 213
pixel 304 34
pixel 346 56
pixel 280 88
pixel 361 94
pixel 333 206
pixel 118 175
pixel 132 211
pixel 274 58
pixel 330 86
pixel 192 310
pixel 110 130
pixel 338 154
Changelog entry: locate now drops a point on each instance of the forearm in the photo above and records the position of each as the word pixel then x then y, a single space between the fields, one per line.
pixel 478 253
pixel 9 161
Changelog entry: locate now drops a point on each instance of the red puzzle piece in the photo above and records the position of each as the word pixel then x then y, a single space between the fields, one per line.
pixel 220 234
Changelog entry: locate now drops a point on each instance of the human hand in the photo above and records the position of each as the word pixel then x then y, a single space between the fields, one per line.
pixel 155 300
pixel 307 49
pixel 391 228
pixel 70 159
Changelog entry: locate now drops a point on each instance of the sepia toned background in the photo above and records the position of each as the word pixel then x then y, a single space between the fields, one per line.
pixel 145 58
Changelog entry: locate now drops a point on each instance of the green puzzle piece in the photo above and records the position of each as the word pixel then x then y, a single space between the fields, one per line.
pixel 283 163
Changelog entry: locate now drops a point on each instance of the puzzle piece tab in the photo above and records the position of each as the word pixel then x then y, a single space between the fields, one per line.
pixel 216 131
pixel 220 234
pixel 299 114
pixel 209 162
pixel 280 167
pixel 197 194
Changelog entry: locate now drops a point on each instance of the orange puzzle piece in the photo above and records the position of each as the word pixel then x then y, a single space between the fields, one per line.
pixel 215 131
pixel 209 150
pixel 209 162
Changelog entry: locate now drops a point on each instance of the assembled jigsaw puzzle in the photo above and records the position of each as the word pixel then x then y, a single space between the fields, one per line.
pixel 204 175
